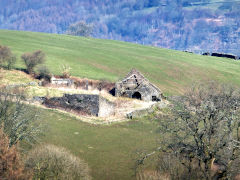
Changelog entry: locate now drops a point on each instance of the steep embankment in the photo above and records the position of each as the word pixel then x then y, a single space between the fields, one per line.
pixel 172 71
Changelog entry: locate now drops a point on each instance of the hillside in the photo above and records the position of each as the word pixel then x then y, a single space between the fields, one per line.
pixel 171 70
pixel 196 25
pixel 111 151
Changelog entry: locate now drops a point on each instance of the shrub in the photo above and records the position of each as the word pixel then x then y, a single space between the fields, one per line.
pixel 44 73
pixel 52 162
pixel 31 60
pixel 6 57
pixel 19 120
pixel 5 52
pixel 10 62
pixel 65 71
pixel 11 167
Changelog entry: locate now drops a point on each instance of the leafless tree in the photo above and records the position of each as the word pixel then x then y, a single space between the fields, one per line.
pixel 7 58
pixel 80 28
pixel 18 119
pixel 202 130
pixel 5 52
pixel 31 60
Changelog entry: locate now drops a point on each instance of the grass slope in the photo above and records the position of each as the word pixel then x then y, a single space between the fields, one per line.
pixel 110 151
pixel 171 70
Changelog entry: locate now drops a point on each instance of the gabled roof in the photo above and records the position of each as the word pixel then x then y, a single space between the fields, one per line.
pixel 134 72
pixel 139 76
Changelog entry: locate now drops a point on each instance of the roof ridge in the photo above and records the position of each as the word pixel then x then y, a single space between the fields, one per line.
pixel 133 70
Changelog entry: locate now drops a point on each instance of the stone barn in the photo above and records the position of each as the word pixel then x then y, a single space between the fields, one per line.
pixel 135 85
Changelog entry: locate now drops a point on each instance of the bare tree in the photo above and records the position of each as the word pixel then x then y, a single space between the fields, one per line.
pixel 10 62
pixel 5 52
pixel 18 119
pixel 31 60
pixel 203 130
pixel 44 73
pixel 80 28
pixel 6 57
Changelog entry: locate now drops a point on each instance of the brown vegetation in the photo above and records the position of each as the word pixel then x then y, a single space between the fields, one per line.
pixel 93 84
pixel 11 167
pixel 65 71
pixel 152 175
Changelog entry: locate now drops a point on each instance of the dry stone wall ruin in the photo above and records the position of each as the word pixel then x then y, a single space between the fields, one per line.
pixel 83 104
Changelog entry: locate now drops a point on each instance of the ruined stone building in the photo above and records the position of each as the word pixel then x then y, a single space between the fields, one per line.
pixel 61 81
pixel 82 104
pixel 135 85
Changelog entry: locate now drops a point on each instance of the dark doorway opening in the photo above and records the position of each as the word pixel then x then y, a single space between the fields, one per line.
pixel 113 91
pixel 137 95
pixel 154 98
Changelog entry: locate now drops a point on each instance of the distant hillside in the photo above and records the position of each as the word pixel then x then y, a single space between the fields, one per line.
pixel 195 25
pixel 171 70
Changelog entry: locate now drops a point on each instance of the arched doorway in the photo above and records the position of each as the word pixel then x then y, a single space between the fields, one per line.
pixel 137 95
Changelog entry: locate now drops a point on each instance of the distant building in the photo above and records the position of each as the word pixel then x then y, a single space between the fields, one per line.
pixel 61 82
pixel 135 85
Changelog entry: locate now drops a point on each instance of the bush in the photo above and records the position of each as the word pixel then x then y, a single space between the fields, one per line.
pixel 52 162
pixel 65 71
pixel 11 167
pixel 19 120
pixel 31 60
pixel 44 73
pixel 5 52
pixel 7 59
pixel 10 62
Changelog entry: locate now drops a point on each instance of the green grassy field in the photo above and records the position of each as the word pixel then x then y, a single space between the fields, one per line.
pixel 172 71
pixel 110 151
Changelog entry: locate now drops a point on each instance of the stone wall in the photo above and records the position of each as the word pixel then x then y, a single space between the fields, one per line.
pixel 145 111
pixel 106 108
pixel 83 104
pixel 62 82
